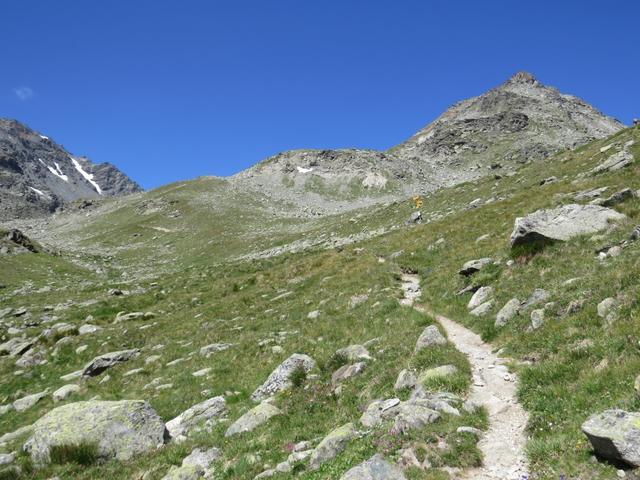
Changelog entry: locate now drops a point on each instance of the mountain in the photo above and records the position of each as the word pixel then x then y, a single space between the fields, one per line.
pixel 521 120
pixel 38 176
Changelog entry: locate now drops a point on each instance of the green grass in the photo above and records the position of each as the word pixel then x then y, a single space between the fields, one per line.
pixel 202 291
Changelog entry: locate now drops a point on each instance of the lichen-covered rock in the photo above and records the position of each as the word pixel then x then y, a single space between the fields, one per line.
pixel 65 392
pixel 562 223
pixel 279 378
pixel 482 310
pixel 120 430
pixel 537 318
pixel 482 295
pixel 379 411
pixel 332 445
pixel 429 337
pixel 103 362
pixel 195 466
pixel 376 468
pixel 347 371
pixel 615 435
pixel 16 346
pixel 506 313
pixel 406 379
pixel 253 419
pixel 29 401
pixel 204 413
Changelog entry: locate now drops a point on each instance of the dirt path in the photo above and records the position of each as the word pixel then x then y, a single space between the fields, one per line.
pixel 494 387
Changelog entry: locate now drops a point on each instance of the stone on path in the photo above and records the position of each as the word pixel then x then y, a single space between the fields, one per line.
pixel 120 429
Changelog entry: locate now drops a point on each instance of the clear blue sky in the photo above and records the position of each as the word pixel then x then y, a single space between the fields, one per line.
pixel 171 90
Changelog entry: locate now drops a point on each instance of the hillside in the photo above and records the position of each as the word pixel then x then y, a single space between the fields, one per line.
pixel 38 176
pixel 211 286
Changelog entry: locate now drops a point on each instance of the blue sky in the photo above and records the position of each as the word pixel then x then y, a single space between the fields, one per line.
pixel 170 90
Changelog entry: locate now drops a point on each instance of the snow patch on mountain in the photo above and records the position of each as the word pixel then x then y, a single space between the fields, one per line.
pixel 87 176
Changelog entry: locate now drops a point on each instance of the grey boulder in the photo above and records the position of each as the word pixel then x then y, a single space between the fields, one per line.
pixel 482 295
pixel 615 435
pixel 562 223
pixel 429 337
pixel 120 429
pixel 253 419
pixel 206 412
pixel 376 468
pixel 332 445
pixel 506 313
pixel 279 378
pixel 103 362
pixel 473 266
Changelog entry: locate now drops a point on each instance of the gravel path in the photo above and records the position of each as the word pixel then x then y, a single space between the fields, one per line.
pixel 494 387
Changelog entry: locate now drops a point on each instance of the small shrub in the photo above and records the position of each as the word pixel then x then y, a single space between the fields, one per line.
pixel 298 376
pixel 81 454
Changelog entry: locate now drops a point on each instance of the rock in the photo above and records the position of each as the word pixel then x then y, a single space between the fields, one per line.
pixel 379 411
pixel 506 313
pixel 415 217
pixel 315 314
pixel 7 458
pixel 16 346
pixel 213 348
pixel 87 328
pixel 125 317
pixel 120 429
pixel 32 358
pixel 354 353
pixel 16 434
pixel 615 162
pixel 356 300
pixel 253 419
pixel 482 310
pixel 376 468
pixel 6 408
pixel 29 401
pixel 279 378
pixel 103 362
pixel 429 337
pixel 538 296
pixel 562 223
pixel 473 266
pixel 617 198
pixel 71 376
pixel 437 372
pixel 481 296
pixel 207 412
pixel 589 194
pixel 413 416
pixel 615 435
pixel 406 379
pixel 347 371
pixel 537 318
pixel 332 445
pixel 606 307
pixel 65 392
pixel 195 466
pixel 548 180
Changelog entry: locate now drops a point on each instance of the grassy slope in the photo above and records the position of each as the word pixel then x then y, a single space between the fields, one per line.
pixel 230 303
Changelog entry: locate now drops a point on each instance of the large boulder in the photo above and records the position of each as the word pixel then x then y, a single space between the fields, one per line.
pixel 615 435
pixel 120 429
pixel 103 362
pixel 376 468
pixel 253 419
pixel 207 413
pixel 332 445
pixel 562 223
pixel 279 378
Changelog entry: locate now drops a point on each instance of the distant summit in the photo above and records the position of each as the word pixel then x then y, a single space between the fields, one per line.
pixel 38 176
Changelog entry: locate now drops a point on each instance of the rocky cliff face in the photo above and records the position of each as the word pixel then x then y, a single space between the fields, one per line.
pixel 38 176
pixel 522 120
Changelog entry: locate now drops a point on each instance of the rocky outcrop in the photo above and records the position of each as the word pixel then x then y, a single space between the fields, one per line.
pixel 38 176
pixel 615 435
pixel 120 430
pixel 562 223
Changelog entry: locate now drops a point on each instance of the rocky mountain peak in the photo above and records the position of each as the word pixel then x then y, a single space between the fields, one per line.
pixel 525 78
